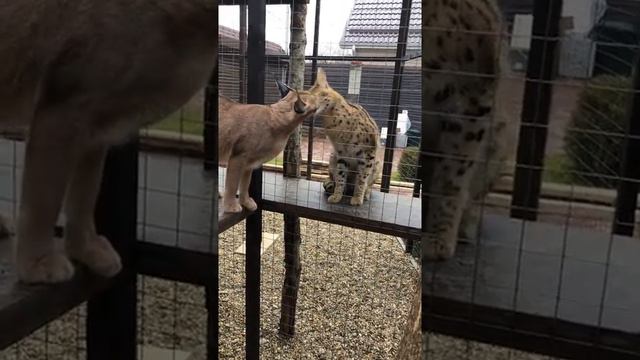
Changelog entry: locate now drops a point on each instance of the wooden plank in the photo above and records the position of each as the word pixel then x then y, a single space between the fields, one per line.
pixel 389 214
pixel 26 308
pixel 560 276
pixel 163 189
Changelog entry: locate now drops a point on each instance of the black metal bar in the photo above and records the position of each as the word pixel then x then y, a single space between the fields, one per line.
pixel 416 193
pixel 536 108
pixel 211 297
pixel 429 148
pixel 211 294
pixel 210 131
pixel 417 184
pixel 255 95
pixel 242 92
pixel 314 73
pixel 527 332
pixel 627 195
pixel 111 316
pixel 401 49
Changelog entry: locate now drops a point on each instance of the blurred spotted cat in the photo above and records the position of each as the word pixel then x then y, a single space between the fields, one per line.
pixel 461 67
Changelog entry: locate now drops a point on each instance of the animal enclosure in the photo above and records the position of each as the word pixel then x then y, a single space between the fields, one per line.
pixel 553 268
pixel 300 277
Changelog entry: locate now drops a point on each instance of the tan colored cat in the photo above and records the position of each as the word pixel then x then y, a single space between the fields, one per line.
pixel 250 135
pixel 83 75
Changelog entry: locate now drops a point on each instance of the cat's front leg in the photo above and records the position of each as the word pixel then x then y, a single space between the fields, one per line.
pixel 329 185
pixel 245 199
pixel 364 172
pixel 446 200
pixel 340 177
pixel 449 191
pixel 82 242
pixel 50 155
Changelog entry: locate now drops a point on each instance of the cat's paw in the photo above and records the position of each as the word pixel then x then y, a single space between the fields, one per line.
pixel 233 207
pixel 329 186
pixel 356 201
pixel 438 250
pixel 49 269
pixel 334 199
pixel 98 255
pixel 249 204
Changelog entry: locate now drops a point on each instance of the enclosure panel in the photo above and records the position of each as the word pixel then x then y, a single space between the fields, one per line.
pixel 18 301
pixel 519 269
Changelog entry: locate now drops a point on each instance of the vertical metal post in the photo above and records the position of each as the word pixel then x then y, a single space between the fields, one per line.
pixel 416 184
pixel 212 290
pixel 111 316
pixel 401 50
pixel 536 108
pixel 242 60
pixel 627 196
pixel 314 73
pixel 211 294
pixel 210 134
pixel 255 95
pixel 429 145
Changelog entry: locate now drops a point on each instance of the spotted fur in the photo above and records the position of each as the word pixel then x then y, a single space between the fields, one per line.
pixel 461 65
pixel 355 139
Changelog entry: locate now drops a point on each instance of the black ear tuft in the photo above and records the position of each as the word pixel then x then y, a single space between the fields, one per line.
pixel 282 88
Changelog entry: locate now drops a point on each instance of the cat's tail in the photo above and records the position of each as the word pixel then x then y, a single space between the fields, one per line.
pixel 6 228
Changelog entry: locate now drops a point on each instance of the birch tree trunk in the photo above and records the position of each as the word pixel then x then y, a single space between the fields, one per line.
pixel 292 156
pixel 291 167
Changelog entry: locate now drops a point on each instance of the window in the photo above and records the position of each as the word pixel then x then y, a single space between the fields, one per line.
pixel 354 80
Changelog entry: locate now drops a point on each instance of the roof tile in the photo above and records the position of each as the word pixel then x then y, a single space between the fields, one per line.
pixel 375 23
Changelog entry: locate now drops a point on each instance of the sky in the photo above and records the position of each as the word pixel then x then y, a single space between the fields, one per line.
pixel 333 17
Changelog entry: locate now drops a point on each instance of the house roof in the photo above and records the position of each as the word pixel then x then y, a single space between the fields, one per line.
pixel 230 38
pixel 375 23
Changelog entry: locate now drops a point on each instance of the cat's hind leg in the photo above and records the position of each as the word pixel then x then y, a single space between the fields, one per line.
pixel 453 175
pixel 364 172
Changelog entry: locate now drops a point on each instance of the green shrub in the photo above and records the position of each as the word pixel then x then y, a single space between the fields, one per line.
pixel 408 164
pixel 593 141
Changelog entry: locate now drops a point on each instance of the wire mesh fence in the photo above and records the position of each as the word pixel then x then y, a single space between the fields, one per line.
pixel 322 305
pixel 548 266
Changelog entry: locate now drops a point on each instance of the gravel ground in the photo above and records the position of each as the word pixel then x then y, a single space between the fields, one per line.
pixel 354 298
pixel 353 301
pixel 441 347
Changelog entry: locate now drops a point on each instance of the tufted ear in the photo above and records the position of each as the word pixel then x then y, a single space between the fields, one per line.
pixel 321 79
pixel 283 88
